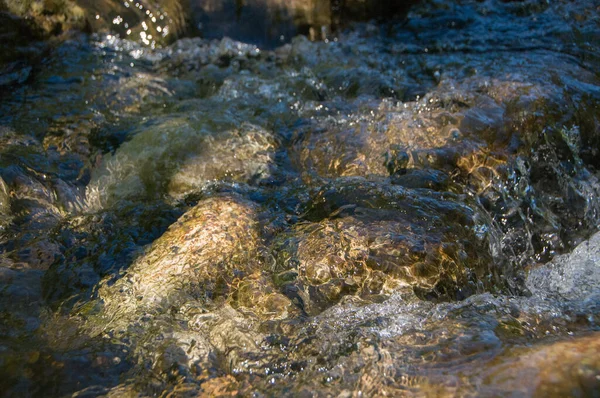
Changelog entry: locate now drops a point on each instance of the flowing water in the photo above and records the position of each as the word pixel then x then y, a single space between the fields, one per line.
pixel 401 209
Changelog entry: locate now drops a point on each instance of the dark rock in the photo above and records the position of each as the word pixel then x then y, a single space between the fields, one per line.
pixel 272 22
pixel 416 178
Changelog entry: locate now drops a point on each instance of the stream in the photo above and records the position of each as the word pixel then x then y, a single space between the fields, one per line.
pixel 405 208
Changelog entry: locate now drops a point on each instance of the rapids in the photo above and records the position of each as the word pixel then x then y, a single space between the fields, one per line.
pixel 405 208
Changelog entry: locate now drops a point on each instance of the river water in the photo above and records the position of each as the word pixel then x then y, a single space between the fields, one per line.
pixel 400 209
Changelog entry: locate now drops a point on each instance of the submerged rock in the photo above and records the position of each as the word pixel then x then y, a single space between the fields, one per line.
pixel 486 344
pixel 369 238
pixel 5 213
pixel 37 188
pixel 560 368
pixel 244 155
pixel 205 274
pixel 208 246
pixel 178 157
pixel 352 194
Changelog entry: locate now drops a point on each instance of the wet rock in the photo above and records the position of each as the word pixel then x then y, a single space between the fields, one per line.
pixel 43 188
pixel 368 238
pixel 51 185
pixel 100 245
pixel 477 135
pixel 251 158
pixel 50 17
pixel 340 195
pixel 204 274
pixel 5 213
pixel 177 157
pixel 428 135
pixel 430 179
pixel 350 305
pixel 147 23
pixel 211 253
pixel 553 369
pixel 405 343
pixel 503 341
pixel 272 22
pixel 207 246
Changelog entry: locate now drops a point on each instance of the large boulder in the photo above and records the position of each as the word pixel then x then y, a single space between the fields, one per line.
pixel 216 237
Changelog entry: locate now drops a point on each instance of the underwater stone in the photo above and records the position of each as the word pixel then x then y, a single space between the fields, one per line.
pixel 428 178
pixel 213 252
pixel 215 240
pixel 4 204
pixel 176 158
pixel 244 155
pixel 563 368
pixel 369 238
pixel 203 265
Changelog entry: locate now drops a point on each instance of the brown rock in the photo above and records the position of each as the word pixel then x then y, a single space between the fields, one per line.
pixel 564 368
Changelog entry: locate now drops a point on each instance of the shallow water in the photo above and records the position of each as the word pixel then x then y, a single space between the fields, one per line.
pixel 402 209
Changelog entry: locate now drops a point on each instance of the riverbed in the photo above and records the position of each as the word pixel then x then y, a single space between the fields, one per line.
pixel 404 208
